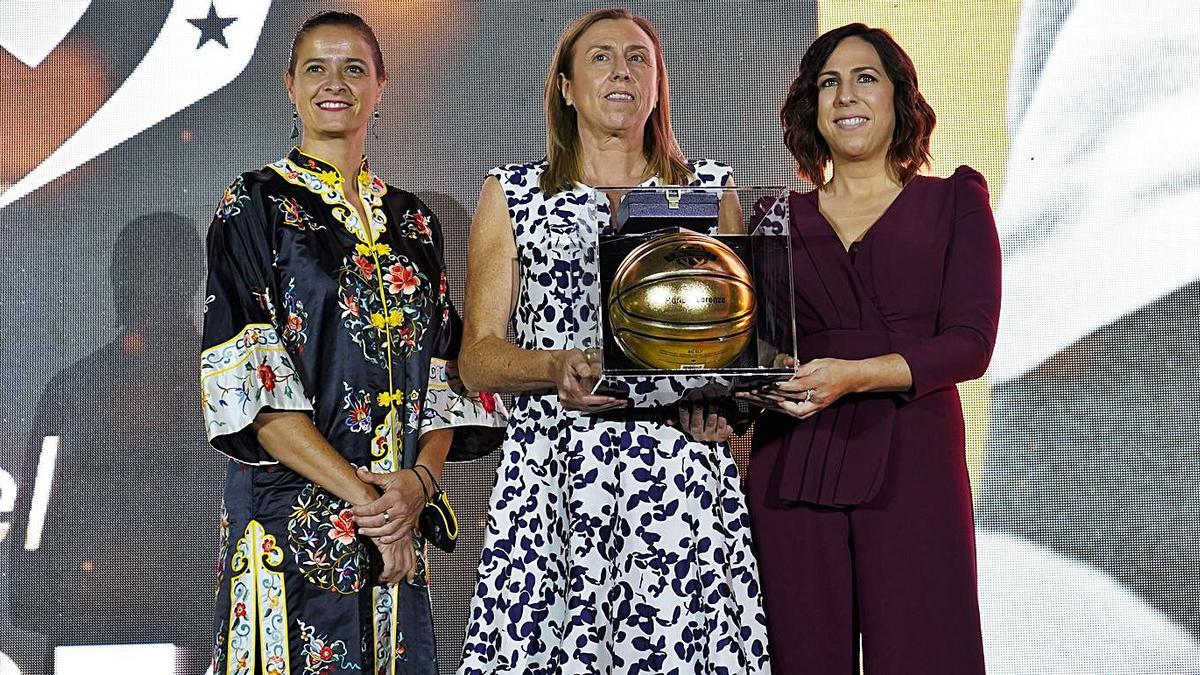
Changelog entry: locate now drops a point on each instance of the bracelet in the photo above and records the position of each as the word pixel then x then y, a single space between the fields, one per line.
pixel 436 487
pixel 421 481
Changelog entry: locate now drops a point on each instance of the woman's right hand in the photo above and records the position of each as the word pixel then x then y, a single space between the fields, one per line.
pixel 576 374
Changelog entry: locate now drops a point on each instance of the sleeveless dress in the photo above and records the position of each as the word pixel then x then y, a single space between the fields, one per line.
pixel 612 545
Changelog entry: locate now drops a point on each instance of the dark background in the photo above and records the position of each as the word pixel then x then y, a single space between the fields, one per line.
pixel 1087 464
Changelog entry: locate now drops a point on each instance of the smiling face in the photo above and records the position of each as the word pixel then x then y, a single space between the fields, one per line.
pixel 613 84
pixel 856 112
pixel 334 83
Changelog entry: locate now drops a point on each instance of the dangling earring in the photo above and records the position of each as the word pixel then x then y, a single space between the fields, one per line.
pixel 295 124
pixel 375 128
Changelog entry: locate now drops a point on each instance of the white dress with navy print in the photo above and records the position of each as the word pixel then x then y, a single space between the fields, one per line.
pixel 611 546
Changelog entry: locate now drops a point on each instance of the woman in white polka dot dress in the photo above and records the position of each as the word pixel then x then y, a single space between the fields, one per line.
pixel 615 542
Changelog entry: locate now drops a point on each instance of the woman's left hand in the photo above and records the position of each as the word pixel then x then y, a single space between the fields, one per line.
pixel 704 423
pixel 815 386
pixel 399 561
pixel 393 516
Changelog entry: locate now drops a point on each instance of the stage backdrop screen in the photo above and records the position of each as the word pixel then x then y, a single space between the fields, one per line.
pixel 121 122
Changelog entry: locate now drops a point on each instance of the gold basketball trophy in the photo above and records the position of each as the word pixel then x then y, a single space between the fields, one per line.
pixel 682 300
pixel 686 309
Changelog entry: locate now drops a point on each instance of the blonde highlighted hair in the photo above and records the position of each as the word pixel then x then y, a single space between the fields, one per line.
pixel 662 152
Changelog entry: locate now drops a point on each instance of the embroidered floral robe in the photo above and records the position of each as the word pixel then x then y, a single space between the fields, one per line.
pixel 310 309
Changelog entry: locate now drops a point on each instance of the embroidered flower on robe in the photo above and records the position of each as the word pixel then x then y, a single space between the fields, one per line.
pixel 398 318
pixel 365 266
pixel 343 528
pixel 323 539
pixel 402 279
pixel 267 376
pixel 358 409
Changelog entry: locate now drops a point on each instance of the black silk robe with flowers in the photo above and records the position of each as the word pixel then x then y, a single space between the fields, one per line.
pixel 310 309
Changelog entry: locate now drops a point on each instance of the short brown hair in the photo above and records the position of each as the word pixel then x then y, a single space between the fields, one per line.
pixel 346 20
pixel 915 119
pixel 662 151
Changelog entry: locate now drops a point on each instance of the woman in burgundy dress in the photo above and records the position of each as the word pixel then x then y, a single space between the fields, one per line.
pixel 858 485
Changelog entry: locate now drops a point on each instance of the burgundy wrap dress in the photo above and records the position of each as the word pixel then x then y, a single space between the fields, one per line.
pixel 862 513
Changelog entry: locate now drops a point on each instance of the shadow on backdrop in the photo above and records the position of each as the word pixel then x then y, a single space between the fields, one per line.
pixel 128 545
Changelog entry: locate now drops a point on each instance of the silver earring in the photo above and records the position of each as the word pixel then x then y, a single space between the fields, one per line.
pixel 295 124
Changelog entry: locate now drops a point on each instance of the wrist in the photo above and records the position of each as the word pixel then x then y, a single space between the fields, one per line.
pixel 429 482
pixel 365 496
pixel 860 377
pixel 556 362
pixel 428 470
pixel 420 474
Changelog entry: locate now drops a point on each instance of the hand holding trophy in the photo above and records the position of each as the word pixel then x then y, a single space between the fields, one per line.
pixel 689 313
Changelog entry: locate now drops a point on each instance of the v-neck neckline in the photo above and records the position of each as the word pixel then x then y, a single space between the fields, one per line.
pixel 816 200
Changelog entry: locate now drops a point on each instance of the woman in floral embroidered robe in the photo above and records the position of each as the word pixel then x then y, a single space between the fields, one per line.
pixel 337 311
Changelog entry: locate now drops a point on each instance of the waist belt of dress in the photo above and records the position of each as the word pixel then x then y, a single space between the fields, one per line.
pixel 838 456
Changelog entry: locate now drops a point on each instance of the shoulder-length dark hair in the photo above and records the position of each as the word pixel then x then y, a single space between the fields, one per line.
pixel 915 119
pixel 662 151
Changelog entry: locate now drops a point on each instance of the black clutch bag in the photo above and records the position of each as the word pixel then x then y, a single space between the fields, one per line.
pixel 437 521
pixel 643 211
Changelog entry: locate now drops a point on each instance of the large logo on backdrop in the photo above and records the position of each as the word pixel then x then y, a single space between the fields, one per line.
pixel 201 47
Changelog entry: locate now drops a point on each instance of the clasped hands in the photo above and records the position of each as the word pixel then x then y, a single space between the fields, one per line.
pixel 391 519
pixel 577 373
pixel 815 386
